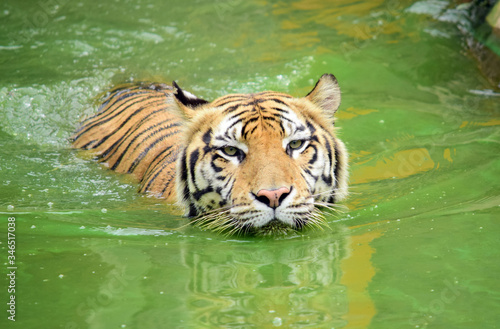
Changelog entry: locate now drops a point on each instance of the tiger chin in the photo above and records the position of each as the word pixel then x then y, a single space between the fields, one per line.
pixel 261 163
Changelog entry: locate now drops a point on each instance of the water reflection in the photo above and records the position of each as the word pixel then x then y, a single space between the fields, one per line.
pixel 295 285
pixel 223 284
pixel 358 272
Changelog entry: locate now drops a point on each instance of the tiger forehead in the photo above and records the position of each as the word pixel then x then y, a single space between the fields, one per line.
pixel 233 101
pixel 250 114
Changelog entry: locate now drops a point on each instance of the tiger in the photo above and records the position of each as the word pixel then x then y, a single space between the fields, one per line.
pixel 257 163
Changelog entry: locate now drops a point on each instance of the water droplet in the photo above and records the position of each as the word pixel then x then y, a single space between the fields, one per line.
pixel 277 322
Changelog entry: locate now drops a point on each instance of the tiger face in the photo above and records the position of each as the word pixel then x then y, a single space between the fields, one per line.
pixel 261 162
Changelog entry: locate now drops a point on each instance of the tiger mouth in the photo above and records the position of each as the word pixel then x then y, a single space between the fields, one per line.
pixel 274 227
pixel 226 222
pixel 231 226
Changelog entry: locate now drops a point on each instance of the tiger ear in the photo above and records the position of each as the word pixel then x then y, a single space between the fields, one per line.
pixel 326 94
pixel 186 102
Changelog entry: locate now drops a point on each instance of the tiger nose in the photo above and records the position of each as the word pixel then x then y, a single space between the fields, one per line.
pixel 272 198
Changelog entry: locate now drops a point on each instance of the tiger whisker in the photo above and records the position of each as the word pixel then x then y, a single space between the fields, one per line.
pixel 327 192
pixel 331 206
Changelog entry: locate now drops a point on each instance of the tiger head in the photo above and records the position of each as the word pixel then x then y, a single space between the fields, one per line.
pixel 261 162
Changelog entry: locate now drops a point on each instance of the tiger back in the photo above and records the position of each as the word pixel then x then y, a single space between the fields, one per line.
pixel 135 133
pixel 244 163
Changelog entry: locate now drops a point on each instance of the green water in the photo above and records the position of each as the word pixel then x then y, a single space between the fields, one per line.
pixel 417 246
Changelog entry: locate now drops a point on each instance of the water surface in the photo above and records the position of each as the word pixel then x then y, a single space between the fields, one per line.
pixel 416 247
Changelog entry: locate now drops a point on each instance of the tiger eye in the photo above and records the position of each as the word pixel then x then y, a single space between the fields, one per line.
pixel 295 144
pixel 230 150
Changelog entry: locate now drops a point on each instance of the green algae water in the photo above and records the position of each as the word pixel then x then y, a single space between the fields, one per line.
pixel 415 247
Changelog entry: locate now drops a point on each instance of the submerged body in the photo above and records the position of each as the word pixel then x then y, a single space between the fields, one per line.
pixel 243 163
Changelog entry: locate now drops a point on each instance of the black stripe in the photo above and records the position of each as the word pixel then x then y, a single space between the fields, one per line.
pixel 238 121
pixel 279 101
pixel 159 169
pixel 279 110
pixel 307 171
pixel 184 175
pixel 235 116
pixel 270 118
pixel 229 99
pixel 231 109
pixel 192 211
pixel 207 137
pixel 141 156
pixel 310 127
pixel 315 155
pixel 216 168
pixel 143 153
pixel 89 144
pixel 105 106
pixel 132 129
pixel 198 194
pixel 153 134
pixel 193 159
pixel 172 177
pixel 250 132
pixel 108 119
pixel 291 121
pixel 337 165
pixel 328 178
pixel 247 122
pixel 222 138
pixel 252 102
pixel 118 96
pixel 104 111
pixel 332 198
